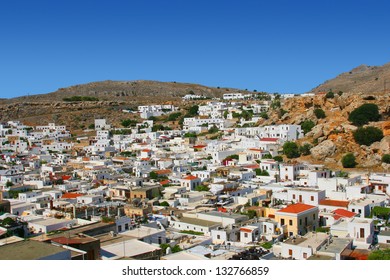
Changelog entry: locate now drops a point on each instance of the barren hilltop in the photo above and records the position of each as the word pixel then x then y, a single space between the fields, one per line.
pixel 362 79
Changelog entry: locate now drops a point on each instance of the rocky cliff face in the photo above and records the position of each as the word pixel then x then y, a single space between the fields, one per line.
pixel 332 137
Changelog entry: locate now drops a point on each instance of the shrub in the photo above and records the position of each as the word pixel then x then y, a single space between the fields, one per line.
pixel 305 149
pixel 364 114
pixel 128 122
pixel 174 116
pixel 380 255
pixel 80 98
pixel 329 95
pixel 320 114
pixel 386 158
pixel 267 156
pixel 367 135
pixel 260 172
pixel 307 126
pixel 291 150
pixel 348 161
pixel 202 188
pixel 164 203
pixel 278 158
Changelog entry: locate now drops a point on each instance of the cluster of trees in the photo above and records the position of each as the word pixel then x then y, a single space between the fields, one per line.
pixel 174 116
pixel 261 172
pixel 292 150
pixel 128 122
pixel 158 127
pixel 80 98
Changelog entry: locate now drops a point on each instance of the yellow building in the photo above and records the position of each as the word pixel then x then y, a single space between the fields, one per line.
pixel 298 218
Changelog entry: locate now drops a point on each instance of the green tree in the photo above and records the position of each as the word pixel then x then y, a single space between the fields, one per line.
pixel 364 114
pixel 291 150
pixel 261 172
pixel 201 188
pixel 193 110
pixel 213 129
pixel 153 175
pixel 348 161
pixel 9 184
pixel 264 115
pixel 305 149
pixel 278 158
pixel 128 122
pixel 367 135
pixel 329 95
pixel 174 116
pixel 320 114
pixel 386 158
pixel 267 156
pixel 307 126
pixel 164 203
pixel 91 126
pixel 380 255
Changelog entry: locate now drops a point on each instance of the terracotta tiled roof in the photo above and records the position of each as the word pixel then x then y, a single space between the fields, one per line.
pixel 146 150
pixel 163 171
pixel 71 195
pixel 331 202
pixel 200 146
pixel 255 150
pixel 190 177
pixel 296 208
pixel 342 213
pixel 165 182
pixel 269 139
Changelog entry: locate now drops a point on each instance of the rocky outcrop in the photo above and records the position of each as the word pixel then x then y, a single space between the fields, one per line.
pixel 323 150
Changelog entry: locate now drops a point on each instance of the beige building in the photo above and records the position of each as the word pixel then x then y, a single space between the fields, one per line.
pixel 298 218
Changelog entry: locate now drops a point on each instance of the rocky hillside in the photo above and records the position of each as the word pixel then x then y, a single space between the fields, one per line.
pixel 332 136
pixel 127 91
pixel 363 79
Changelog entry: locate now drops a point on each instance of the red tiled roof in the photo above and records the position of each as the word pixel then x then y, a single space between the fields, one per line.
pixel 296 208
pixel 163 171
pixel 66 177
pixel 146 150
pixel 145 159
pixel 272 216
pixel 190 177
pixel 252 166
pixel 337 203
pixel 68 241
pixel 256 150
pixel 246 229
pixel 269 139
pixel 342 213
pixel 71 195
pixel 200 146
pixel 164 182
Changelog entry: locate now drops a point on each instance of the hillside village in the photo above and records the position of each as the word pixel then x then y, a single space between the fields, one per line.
pixel 214 180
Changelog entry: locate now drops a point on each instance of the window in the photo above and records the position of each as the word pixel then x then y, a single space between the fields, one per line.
pixel 290 252
pixel 305 255
pixel 293 196
pixel 314 217
pixel 290 222
pixel 282 222
pixel 245 234
pixel 311 198
pixel 218 236
pixel 300 222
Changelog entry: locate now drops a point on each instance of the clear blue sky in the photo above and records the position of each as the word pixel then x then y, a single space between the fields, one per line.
pixel 275 46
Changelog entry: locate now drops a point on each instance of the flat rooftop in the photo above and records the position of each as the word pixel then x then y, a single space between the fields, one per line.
pixel 199 222
pixel 28 250
pixel 336 246
pixel 224 215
